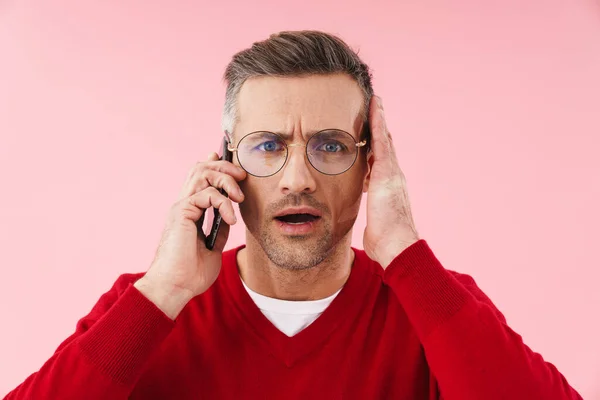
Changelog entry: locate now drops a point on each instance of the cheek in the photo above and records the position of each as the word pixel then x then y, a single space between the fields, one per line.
pixel 254 200
pixel 346 199
pixel 247 207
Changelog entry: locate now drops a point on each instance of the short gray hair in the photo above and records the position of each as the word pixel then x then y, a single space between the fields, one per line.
pixel 293 53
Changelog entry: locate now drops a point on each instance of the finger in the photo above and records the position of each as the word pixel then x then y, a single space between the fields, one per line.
pixel 193 181
pixel 209 177
pixel 186 189
pixel 210 197
pixel 212 157
pixel 380 138
pixel 222 181
pixel 228 168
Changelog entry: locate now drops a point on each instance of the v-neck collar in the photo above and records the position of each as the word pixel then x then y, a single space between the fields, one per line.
pixel 289 349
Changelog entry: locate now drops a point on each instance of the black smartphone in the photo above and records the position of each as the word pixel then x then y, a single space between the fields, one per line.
pixel 211 219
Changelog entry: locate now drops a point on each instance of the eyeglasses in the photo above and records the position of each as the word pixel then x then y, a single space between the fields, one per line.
pixel 330 151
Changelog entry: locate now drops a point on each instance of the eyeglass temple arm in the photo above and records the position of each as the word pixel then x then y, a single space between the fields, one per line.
pixel 229 138
pixel 231 148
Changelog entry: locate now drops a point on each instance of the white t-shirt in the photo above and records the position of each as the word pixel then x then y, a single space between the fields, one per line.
pixel 290 317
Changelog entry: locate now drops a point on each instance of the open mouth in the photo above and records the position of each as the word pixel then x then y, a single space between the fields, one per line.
pixel 297 219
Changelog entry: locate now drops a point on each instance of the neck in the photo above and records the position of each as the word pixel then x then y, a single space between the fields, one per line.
pixel 323 280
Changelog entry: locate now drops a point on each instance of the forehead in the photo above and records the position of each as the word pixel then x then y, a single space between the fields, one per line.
pixel 294 105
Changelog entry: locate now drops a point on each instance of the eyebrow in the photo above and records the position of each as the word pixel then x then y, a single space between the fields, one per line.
pixel 288 136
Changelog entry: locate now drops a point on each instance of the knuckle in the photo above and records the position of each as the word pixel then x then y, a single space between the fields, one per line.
pixel 227 181
pixel 222 167
pixel 211 190
pixel 175 215
pixel 200 186
pixel 198 166
pixel 183 214
pixel 217 180
pixel 226 205
pixel 204 173
pixel 212 193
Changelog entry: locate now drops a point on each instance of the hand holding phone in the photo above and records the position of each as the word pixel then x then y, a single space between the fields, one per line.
pixel 182 267
pixel 215 220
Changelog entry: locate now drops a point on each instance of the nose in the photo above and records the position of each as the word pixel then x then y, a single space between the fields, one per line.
pixel 297 173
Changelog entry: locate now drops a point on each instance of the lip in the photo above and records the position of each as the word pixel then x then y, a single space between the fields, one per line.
pixel 297 229
pixel 299 210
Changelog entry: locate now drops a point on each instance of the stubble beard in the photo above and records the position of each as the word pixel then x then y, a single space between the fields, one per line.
pixel 297 253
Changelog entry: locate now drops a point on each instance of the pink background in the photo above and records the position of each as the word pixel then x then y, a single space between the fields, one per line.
pixel 495 106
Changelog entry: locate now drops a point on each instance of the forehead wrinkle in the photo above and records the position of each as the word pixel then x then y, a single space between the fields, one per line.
pixel 353 123
pixel 305 108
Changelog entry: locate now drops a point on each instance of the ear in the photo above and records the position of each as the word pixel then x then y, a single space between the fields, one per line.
pixel 229 136
pixel 367 179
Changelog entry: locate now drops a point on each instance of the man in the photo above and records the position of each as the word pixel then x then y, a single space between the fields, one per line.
pixel 296 312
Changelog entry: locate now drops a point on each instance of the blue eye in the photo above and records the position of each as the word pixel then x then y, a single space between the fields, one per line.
pixel 332 147
pixel 269 146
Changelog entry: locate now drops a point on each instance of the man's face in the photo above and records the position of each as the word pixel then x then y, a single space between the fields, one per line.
pixel 299 107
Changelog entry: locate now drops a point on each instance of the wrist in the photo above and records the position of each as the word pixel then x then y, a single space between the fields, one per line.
pixel 170 300
pixel 389 253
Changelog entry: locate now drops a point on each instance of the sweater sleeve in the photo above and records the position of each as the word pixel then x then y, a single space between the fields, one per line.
pixel 106 354
pixel 470 349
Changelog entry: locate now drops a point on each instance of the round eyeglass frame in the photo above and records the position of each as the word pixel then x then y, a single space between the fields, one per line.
pixel 234 149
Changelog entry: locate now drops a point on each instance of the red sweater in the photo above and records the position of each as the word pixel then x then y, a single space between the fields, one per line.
pixel 415 331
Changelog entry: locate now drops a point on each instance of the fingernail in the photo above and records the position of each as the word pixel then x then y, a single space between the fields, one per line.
pixel 379 102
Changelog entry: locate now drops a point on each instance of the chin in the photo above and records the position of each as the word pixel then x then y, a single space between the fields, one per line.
pixel 296 252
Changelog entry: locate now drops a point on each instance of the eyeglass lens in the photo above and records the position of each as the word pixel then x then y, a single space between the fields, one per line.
pixel 264 153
